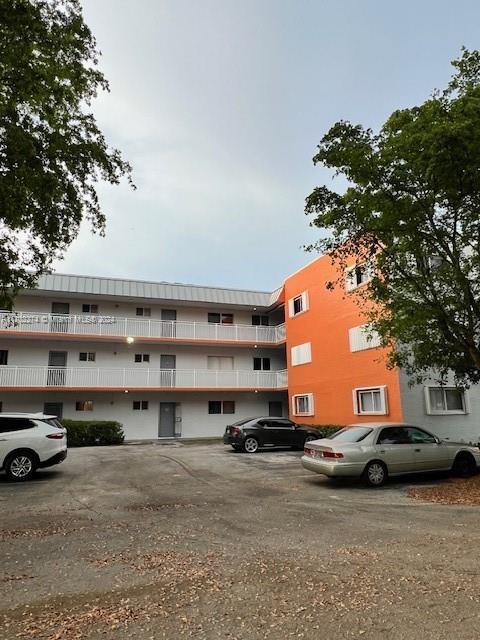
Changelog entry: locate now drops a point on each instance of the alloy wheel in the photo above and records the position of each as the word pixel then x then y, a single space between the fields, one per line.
pixel 376 474
pixel 250 445
pixel 21 467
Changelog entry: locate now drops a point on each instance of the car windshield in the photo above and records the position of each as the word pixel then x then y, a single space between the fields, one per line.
pixel 351 434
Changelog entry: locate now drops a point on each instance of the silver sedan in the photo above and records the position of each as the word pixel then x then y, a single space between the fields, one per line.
pixel 375 451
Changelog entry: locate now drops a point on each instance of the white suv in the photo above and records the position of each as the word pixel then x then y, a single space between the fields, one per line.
pixel 29 441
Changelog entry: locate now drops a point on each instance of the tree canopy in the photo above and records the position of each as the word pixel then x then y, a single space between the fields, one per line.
pixel 412 206
pixel 52 152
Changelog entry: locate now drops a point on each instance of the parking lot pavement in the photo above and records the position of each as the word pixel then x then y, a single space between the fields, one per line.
pixel 198 541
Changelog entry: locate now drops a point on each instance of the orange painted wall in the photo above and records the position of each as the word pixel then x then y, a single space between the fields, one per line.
pixel 334 371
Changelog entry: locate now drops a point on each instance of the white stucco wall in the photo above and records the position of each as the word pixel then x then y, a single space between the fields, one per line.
pixel 31 352
pixel 192 408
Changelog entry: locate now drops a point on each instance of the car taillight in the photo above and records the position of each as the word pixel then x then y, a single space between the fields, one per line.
pixel 332 454
pixel 56 436
pixel 235 431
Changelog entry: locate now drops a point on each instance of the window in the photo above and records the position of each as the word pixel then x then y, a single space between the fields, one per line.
pixel 3 356
pixel 53 409
pixel 358 275
pixel 140 405
pixel 86 356
pixel 261 364
pixel 361 338
pixel 418 436
pixel 302 405
pixel 84 405
pixel 143 311
pixel 301 354
pixel 142 357
pixel 351 434
pixel 219 406
pixel 393 435
pixel 370 401
pixel 298 304
pixel 89 308
pixel 220 318
pixel 220 363
pixel 15 424
pixel 444 400
pixel 260 321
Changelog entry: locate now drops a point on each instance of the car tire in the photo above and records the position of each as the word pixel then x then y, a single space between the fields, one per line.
pixel 309 438
pixel 250 445
pixel 464 465
pixel 21 466
pixel 375 473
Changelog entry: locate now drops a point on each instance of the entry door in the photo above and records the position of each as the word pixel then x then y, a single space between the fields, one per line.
pixel 57 361
pixel 59 324
pixel 169 317
pixel 275 409
pixel 168 364
pixel 53 409
pixel 166 425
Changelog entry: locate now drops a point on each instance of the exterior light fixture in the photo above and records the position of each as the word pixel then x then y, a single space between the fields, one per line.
pixel 130 340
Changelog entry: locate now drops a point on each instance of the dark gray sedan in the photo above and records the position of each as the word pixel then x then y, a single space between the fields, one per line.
pixel 375 451
pixel 250 434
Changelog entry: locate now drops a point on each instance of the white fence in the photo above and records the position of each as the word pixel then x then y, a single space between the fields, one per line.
pixel 79 377
pixel 138 327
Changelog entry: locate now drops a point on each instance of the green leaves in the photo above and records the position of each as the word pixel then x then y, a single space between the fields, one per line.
pixel 52 152
pixel 413 200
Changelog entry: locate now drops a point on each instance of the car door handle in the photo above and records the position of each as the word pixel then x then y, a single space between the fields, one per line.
pixel 418 450
pixel 382 451
pixel 3 439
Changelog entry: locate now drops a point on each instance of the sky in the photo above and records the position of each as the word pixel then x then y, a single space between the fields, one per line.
pixel 219 106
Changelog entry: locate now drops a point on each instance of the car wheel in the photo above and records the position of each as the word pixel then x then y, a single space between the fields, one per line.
pixel 375 473
pixel 250 445
pixel 464 465
pixel 20 466
pixel 307 439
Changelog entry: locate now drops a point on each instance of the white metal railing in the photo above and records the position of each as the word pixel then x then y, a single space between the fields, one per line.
pixel 138 327
pixel 11 377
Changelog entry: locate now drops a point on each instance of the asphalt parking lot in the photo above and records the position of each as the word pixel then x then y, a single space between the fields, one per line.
pixel 159 541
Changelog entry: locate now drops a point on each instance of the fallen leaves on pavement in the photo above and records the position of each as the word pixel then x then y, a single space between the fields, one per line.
pixel 464 491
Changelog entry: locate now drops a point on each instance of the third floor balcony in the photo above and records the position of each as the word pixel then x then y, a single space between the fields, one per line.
pixel 147 330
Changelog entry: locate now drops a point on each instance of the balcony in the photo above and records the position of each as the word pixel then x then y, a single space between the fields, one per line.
pixel 147 330
pixel 64 378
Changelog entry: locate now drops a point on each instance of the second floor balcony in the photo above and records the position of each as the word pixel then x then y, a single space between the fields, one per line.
pixel 70 378
pixel 145 329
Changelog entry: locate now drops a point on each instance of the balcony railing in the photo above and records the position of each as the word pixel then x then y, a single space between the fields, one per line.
pixel 86 377
pixel 111 326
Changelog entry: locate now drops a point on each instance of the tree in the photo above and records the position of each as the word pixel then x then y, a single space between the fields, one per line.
pixel 412 206
pixel 52 152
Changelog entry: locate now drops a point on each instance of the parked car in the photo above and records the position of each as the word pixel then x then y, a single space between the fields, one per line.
pixel 29 441
pixel 376 451
pixel 250 434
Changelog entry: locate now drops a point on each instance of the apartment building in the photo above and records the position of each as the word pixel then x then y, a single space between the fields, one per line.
pixel 165 360
pixel 173 360
pixel 337 372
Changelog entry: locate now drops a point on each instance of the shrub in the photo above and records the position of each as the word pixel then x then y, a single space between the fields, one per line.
pixel 326 430
pixel 88 433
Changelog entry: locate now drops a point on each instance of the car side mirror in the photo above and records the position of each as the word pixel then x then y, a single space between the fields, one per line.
pixel 437 440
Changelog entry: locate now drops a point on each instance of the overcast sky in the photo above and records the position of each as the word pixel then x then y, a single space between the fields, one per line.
pixel 219 105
